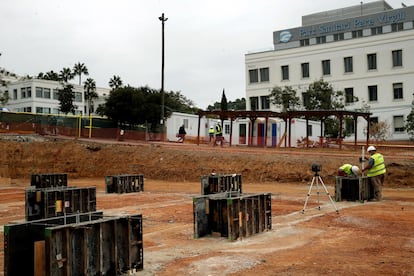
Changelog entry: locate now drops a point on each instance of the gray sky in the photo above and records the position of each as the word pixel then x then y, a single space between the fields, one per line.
pixel 205 41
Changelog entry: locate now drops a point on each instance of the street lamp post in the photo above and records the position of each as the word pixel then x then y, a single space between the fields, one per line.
pixel 163 19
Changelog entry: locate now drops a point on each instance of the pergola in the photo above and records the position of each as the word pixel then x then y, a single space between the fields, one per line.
pixel 287 116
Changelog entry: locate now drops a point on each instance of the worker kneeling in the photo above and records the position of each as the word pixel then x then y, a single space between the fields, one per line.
pixel 348 170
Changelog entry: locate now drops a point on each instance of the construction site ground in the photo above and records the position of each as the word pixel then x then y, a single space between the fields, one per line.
pixel 363 238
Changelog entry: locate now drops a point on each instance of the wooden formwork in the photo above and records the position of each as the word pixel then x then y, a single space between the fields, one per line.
pixel 53 202
pixel 102 246
pixel 218 183
pixel 125 183
pixel 352 189
pixel 49 180
pixel 231 215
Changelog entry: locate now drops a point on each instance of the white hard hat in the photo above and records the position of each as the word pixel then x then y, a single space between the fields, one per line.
pixel 355 170
pixel 371 148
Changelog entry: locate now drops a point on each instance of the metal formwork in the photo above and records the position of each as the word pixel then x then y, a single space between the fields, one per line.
pixel 54 202
pixel 126 183
pixel 49 180
pixel 212 184
pixel 90 245
pixel 231 215
pixel 352 189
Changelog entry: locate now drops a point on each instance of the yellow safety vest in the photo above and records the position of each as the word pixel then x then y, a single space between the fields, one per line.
pixel 211 130
pixel 218 129
pixel 346 168
pixel 378 167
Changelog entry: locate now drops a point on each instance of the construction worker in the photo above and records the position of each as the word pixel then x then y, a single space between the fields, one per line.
pixel 219 135
pixel 376 171
pixel 348 170
pixel 211 134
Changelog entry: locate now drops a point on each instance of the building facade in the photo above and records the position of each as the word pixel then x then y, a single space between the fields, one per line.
pixel 366 51
pixel 41 96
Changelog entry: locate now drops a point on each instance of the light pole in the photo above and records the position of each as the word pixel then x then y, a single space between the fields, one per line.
pixel 163 19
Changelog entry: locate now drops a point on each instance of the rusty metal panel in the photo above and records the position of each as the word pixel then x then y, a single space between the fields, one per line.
pixel 218 183
pixel 109 246
pixel 125 183
pixel 54 202
pixel 20 240
pixel 232 216
pixel 41 181
pixel 353 189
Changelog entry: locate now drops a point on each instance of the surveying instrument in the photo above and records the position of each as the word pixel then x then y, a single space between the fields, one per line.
pixel 318 179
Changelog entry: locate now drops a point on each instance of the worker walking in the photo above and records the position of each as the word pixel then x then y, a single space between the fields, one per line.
pixel 211 134
pixel 376 171
pixel 219 135
pixel 348 170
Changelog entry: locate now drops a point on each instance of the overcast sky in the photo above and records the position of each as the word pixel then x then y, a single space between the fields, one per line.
pixel 205 41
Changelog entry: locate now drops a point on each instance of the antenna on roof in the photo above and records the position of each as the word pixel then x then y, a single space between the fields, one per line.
pixel 361 6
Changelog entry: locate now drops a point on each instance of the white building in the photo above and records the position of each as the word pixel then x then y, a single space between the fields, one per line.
pixel 41 96
pixel 367 51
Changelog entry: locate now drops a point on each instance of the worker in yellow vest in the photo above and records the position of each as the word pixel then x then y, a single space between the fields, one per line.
pixel 348 170
pixel 376 171
pixel 211 134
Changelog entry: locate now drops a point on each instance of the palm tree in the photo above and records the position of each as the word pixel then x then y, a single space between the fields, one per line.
pixel 80 69
pixel 66 74
pixel 90 92
pixel 115 82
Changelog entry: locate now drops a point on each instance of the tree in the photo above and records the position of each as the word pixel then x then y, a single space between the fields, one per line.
pixel 320 95
pixel 284 97
pixel 4 96
pixel 79 69
pixel 66 75
pixel 223 104
pixel 66 97
pixel 115 82
pixel 51 75
pixel 409 124
pixel 379 131
pixel 89 87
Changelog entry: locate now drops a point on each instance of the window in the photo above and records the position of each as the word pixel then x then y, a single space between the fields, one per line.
pixel 372 61
pixel 326 67
pixel 285 72
pixel 305 99
pixel 304 42
pixel 28 92
pixel 46 93
pixel 348 65
pixel 373 93
pixel 321 39
pixel 350 126
pixel 253 76
pixel 338 37
pixel 398 91
pixel 55 94
pixel 309 132
pixel 27 109
pixel 14 94
pixel 398 123
pixel 45 110
pixel 226 128
pixel 254 103
pixel 396 27
pixel 78 97
pixel 397 58
pixel 264 74
pixel 349 95
pixel 373 120
pixel 376 30
pixel 265 102
pixel 305 70
pixel 39 94
pixel 356 34
pixel 23 92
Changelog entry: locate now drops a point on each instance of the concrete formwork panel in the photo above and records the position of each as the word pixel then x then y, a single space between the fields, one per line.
pixel 231 215
pixel 127 183
pixel 54 202
pixel 352 189
pixel 49 180
pixel 212 184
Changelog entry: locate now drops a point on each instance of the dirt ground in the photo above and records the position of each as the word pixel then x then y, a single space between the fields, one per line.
pixel 370 238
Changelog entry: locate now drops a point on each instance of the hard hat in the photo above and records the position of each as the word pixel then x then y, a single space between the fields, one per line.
pixel 371 148
pixel 355 170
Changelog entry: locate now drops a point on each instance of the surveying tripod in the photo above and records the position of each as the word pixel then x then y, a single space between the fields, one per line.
pixel 317 178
